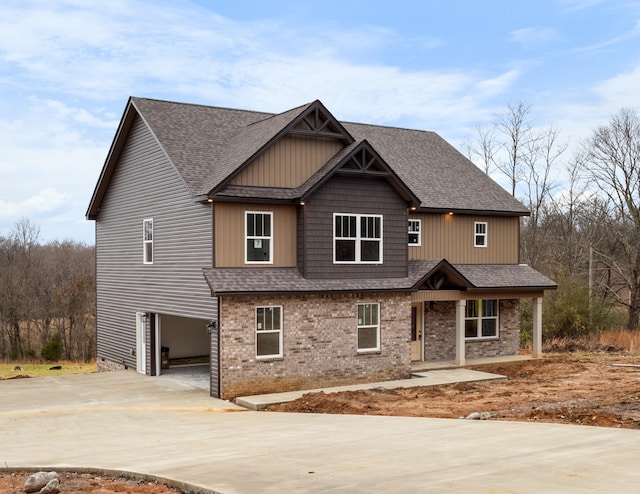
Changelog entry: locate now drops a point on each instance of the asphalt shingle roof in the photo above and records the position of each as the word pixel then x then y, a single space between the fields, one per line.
pixel 240 281
pixel 208 144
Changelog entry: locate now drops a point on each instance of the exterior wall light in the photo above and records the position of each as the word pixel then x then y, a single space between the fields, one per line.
pixel 212 326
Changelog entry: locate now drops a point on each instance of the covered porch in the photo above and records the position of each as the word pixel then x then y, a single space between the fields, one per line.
pixel 451 364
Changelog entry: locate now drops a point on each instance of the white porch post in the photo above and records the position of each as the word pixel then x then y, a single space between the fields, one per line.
pixel 537 327
pixel 460 313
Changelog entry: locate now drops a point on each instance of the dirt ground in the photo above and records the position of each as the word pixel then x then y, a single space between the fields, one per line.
pixel 587 389
pixel 591 389
pixel 80 483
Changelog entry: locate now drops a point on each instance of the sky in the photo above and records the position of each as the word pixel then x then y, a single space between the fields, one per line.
pixel 68 67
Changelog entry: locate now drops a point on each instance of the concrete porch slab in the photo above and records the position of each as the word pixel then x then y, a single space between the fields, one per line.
pixel 425 378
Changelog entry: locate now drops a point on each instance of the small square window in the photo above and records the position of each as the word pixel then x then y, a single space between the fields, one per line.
pixel 414 233
pixel 480 237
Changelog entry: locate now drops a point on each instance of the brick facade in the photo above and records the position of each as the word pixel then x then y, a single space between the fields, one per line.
pixel 319 343
pixel 104 365
pixel 439 332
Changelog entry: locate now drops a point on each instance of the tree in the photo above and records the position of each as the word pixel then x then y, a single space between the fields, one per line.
pixel 611 161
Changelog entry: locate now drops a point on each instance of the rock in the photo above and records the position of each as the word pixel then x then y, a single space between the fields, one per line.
pixel 56 367
pixel 17 368
pixel 52 487
pixel 380 389
pixel 478 416
pixel 38 480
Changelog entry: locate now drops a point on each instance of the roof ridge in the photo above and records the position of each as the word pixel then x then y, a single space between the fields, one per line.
pixel 388 127
pixel 181 103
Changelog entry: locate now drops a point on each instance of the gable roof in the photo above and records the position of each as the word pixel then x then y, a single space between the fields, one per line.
pixel 209 145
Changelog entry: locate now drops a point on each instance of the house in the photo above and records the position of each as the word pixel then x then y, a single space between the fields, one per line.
pixel 295 251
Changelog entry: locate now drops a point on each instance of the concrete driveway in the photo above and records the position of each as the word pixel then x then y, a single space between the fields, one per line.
pixel 167 428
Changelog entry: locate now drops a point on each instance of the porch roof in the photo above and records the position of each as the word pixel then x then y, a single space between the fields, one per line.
pixel 251 280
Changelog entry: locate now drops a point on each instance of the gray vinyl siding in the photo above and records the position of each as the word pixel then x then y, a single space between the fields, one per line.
pixel 146 185
pixel 358 195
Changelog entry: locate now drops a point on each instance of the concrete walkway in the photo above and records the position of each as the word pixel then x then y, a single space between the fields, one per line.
pixel 126 421
pixel 423 378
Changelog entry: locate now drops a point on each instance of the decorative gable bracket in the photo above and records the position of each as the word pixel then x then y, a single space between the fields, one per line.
pixel 317 121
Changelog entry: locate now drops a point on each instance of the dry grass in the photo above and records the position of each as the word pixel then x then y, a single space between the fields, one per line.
pixel 14 370
pixel 613 340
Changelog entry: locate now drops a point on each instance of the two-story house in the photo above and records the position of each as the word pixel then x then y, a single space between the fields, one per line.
pixel 294 251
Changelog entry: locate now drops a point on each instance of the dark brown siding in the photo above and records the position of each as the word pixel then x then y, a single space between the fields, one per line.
pixel 358 195
pixel 145 185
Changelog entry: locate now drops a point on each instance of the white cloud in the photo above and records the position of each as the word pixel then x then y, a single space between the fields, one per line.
pixel 532 37
pixel 44 201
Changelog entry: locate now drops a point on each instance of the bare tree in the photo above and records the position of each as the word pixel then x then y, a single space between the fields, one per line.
pixel 612 163
pixel 482 149
pixel 515 127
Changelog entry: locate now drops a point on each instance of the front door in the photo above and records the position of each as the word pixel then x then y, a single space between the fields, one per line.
pixel 416 332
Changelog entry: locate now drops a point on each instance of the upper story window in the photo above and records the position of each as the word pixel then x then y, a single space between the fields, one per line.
pixel 357 238
pixel 415 234
pixel 258 228
pixel 480 236
pixel 368 327
pixel 269 332
pixel 481 319
pixel 147 241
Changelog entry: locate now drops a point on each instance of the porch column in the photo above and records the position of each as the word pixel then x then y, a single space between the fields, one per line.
pixel 537 327
pixel 460 313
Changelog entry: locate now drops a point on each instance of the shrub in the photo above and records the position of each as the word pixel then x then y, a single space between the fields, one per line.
pixel 52 350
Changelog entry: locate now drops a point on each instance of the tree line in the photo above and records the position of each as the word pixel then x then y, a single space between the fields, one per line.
pixel 584 227
pixel 47 297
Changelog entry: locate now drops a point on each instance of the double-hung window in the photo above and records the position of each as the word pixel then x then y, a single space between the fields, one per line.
pixel 481 319
pixel 258 228
pixel 147 241
pixel 480 235
pixel 414 233
pixel 269 332
pixel 357 238
pixel 368 327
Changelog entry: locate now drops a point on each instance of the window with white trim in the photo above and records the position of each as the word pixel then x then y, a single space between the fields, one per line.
pixel 480 236
pixel 415 234
pixel 368 327
pixel 357 238
pixel 147 241
pixel 481 319
pixel 258 238
pixel 269 332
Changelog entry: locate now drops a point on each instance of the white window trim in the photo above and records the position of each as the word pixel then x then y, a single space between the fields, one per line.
pixel 145 242
pixel 377 326
pixel 358 238
pixel 270 331
pixel 484 235
pixel 479 325
pixel 255 237
pixel 419 232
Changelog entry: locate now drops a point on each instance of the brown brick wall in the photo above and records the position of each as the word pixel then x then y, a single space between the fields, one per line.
pixel 319 343
pixel 440 330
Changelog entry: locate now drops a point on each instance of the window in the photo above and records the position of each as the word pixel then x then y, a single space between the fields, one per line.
pixel 357 239
pixel 147 241
pixel 481 319
pixel 258 238
pixel 368 327
pixel 480 237
pixel 269 332
pixel 414 232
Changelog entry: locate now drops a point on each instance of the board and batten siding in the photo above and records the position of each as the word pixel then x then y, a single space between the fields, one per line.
pixel 145 185
pixel 452 237
pixel 230 234
pixel 289 162
pixel 356 195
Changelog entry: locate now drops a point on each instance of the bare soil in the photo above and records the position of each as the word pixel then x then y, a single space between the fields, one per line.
pixel 585 389
pixel 570 389
pixel 80 483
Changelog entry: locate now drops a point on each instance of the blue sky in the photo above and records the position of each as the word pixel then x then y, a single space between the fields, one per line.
pixel 68 67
